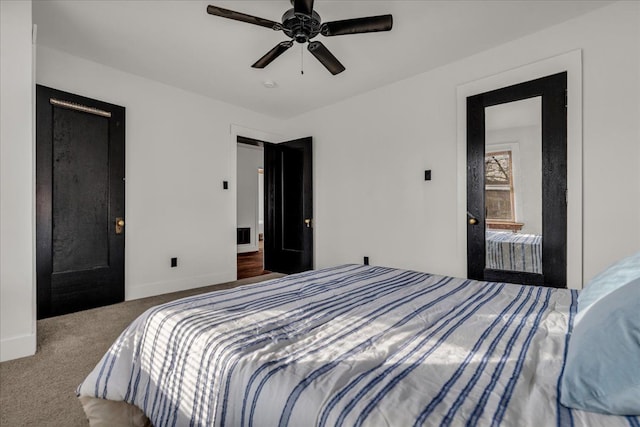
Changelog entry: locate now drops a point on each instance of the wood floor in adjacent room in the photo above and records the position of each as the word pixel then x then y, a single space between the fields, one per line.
pixel 251 264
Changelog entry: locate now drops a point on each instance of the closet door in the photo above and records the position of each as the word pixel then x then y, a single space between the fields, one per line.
pixel 517 183
pixel 80 154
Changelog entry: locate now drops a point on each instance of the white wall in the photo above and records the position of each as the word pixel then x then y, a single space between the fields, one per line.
pixel 178 152
pixel 250 159
pixel 17 278
pixel 371 151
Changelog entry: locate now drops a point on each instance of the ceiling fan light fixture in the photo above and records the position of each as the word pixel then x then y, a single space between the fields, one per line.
pixel 301 24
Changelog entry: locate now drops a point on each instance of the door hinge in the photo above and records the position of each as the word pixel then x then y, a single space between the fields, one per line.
pixel 566 98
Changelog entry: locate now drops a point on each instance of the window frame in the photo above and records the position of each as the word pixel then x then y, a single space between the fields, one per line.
pixel 503 187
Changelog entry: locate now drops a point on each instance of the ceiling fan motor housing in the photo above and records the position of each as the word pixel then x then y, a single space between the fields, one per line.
pixel 301 27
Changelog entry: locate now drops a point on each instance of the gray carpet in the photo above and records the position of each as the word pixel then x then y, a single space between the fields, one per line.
pixel 40 390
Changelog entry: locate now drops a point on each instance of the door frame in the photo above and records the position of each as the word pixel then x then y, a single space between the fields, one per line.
pixel 571 62
pixel 231 175
pixel 268 214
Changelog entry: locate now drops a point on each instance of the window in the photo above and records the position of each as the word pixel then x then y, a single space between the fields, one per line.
pixel 499 193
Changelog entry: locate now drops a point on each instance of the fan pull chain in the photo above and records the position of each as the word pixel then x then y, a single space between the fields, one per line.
pixel 301 59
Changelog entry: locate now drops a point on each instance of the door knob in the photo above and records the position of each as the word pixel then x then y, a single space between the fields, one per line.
pixel 307 222
pixel 473 221
pixel 119 225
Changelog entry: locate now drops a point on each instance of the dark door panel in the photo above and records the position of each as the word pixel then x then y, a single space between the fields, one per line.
pixel 80 191
pixel 288 206
pixel 292 203
pixel 79 197
pixel 70 291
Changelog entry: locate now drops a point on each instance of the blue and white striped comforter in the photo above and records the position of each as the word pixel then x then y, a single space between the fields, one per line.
pixel 349 346
pixel 514 251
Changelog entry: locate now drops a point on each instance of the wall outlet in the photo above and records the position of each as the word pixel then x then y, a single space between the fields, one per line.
pixel 174 262
pixel 366 260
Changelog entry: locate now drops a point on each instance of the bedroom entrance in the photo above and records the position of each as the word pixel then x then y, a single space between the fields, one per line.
pixel 274 206
pixel 79 202
pixel 517 183
pixel 250 209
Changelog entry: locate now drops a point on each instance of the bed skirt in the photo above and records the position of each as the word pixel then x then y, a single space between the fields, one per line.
pixel 109 413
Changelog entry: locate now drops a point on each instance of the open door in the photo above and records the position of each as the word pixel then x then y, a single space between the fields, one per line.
pixel 288 206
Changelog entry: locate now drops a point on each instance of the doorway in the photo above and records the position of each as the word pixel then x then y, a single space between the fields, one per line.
pixel 517 183
pixel 79 202
pixel 287 238
pixel 250 209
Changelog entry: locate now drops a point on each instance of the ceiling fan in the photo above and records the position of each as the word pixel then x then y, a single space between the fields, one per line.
pixel 301 24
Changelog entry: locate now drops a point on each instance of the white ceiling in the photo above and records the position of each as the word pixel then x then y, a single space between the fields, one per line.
pixel 178 43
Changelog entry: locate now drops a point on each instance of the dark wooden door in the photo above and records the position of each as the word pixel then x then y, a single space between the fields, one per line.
pixel 288 186
pixel 80 200
pixel 552 90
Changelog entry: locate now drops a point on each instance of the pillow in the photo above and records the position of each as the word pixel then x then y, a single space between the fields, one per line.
pixel 609 280
pixel 602 369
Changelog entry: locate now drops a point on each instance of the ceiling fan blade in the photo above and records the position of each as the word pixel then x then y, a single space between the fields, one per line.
pixel 243 17
pixel 325 57
pixel 273 54
pixel 357 25
pixel 304 7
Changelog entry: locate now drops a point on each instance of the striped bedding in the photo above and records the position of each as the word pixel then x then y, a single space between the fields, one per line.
pixel 514 251
pixel 349 346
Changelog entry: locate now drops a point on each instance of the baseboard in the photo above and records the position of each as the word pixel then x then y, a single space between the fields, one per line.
pixel 164 287
pixel 17 347
pixel 243 249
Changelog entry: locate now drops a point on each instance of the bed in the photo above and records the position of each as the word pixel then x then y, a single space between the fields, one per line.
pixel 514 251
pixel 350 345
